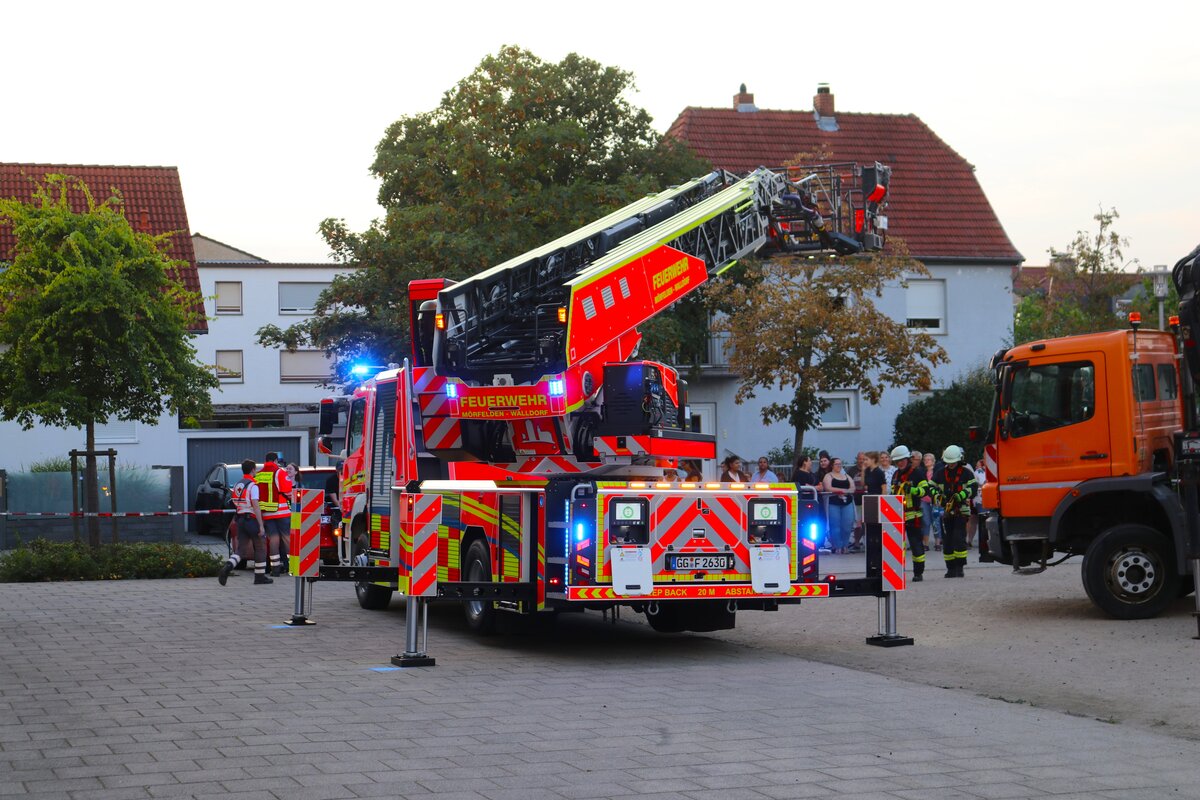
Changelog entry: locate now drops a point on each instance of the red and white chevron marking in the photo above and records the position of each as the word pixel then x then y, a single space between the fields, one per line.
pixel 304 552
pixel 891 518
pixel 427 515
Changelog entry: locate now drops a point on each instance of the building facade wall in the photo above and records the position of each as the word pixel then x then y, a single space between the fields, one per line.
pixel 260 383
pixel 978 321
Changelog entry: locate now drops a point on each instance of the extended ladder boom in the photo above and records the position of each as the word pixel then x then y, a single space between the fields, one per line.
pixel 552 307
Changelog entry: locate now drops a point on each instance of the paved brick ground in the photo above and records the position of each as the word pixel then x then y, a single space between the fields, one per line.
pixel 185 689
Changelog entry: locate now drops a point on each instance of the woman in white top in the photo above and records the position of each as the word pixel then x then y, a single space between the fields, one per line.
pixel 764 473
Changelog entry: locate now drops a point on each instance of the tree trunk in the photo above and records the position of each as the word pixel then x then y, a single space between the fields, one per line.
pixel 91 486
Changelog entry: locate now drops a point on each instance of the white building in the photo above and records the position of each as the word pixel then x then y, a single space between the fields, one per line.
pixel 260 387
pixel 935 204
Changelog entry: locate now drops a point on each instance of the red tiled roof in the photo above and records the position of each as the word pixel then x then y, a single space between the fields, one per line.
pixel 1028 279
pixel 935 203
pixel 153 204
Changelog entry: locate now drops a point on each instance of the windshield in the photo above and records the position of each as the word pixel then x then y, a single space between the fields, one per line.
pixel 1048 396
pixel 314 479
pixel 324 480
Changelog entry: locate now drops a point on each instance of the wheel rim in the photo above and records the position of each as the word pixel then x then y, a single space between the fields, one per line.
pixel 1135 574
pixel 475 573
pixel 360 587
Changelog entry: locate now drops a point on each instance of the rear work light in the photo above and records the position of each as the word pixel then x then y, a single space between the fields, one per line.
pixel 439 321
pixel 562 315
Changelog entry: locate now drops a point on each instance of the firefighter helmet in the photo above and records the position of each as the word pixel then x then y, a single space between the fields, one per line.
pixel 952 454
pixel 899 452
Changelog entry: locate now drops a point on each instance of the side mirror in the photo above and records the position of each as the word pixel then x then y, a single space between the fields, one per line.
pixel 215 484
pixel 328 418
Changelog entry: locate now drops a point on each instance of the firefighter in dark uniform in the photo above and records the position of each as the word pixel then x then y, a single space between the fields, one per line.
pixel 910 482
pixel 954 488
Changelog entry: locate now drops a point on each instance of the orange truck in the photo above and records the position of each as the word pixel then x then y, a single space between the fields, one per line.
pixel 526 430
pixel 1091 451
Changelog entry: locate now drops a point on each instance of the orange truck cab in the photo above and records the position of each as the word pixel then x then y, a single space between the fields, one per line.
pixel 1080 454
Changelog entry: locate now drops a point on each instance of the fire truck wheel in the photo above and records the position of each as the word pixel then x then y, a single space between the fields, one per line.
pixel 703 616
pixel 665 617
pixel 372 597
pixel 481 614
pixel 1129 572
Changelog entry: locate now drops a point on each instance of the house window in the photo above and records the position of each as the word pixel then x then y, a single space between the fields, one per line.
pixel 229 297
pixel 229 366
pixel 303 366
pixel 925 303
pixel 299 298
pixel 842 411
pixel 116 431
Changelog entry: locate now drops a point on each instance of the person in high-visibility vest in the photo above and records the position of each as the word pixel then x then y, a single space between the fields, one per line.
pixel 954 488
pixel 249 522
pixel 909 481
pixel 274 489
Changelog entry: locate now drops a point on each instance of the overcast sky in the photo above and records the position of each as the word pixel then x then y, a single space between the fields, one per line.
pixel 271 111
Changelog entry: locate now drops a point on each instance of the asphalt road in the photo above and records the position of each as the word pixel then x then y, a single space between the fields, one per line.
pixel 1029 639
pixel 1033 640
pixel 185 688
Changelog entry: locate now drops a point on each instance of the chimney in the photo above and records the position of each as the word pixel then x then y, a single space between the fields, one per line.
pixel 144 220
pixel 823 108
pixel 823 101
pixel 743 100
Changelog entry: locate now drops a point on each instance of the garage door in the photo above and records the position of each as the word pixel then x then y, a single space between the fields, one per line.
pixel 202 453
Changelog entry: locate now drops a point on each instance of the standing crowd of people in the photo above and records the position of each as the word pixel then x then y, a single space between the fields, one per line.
pixel 941 501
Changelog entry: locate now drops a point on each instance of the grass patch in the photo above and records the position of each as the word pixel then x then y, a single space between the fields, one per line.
pixel 43 560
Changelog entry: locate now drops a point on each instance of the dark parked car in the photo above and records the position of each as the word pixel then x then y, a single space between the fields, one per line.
pixel 213 493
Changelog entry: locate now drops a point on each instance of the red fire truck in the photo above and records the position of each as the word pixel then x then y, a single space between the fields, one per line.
pixel 526 411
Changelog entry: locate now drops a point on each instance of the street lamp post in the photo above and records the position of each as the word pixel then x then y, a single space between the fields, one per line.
pixel 1160 291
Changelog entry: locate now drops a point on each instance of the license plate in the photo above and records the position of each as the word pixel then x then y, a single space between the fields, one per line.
pixel 681 562
pixel 325 520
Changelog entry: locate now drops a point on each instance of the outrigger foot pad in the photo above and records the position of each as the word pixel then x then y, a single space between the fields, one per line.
pixel 415 660
pixel 883 640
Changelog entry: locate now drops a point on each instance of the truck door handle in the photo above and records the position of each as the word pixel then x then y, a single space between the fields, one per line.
pixel 1093 456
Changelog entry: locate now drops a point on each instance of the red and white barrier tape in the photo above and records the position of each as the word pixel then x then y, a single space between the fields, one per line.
pixel 110 513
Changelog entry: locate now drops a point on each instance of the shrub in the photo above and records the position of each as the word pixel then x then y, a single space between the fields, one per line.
pixel 43 560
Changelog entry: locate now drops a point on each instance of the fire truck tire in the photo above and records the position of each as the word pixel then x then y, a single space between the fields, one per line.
pixel 373 597
pixel 477 566
pixel 1129 572
pixel 665 617
pixel 704 616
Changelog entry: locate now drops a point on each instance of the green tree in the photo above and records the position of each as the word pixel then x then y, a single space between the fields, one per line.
pixel 1082 284
pixel 520 152
pixel 931 423
pixel 810 326
pixel 95 321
